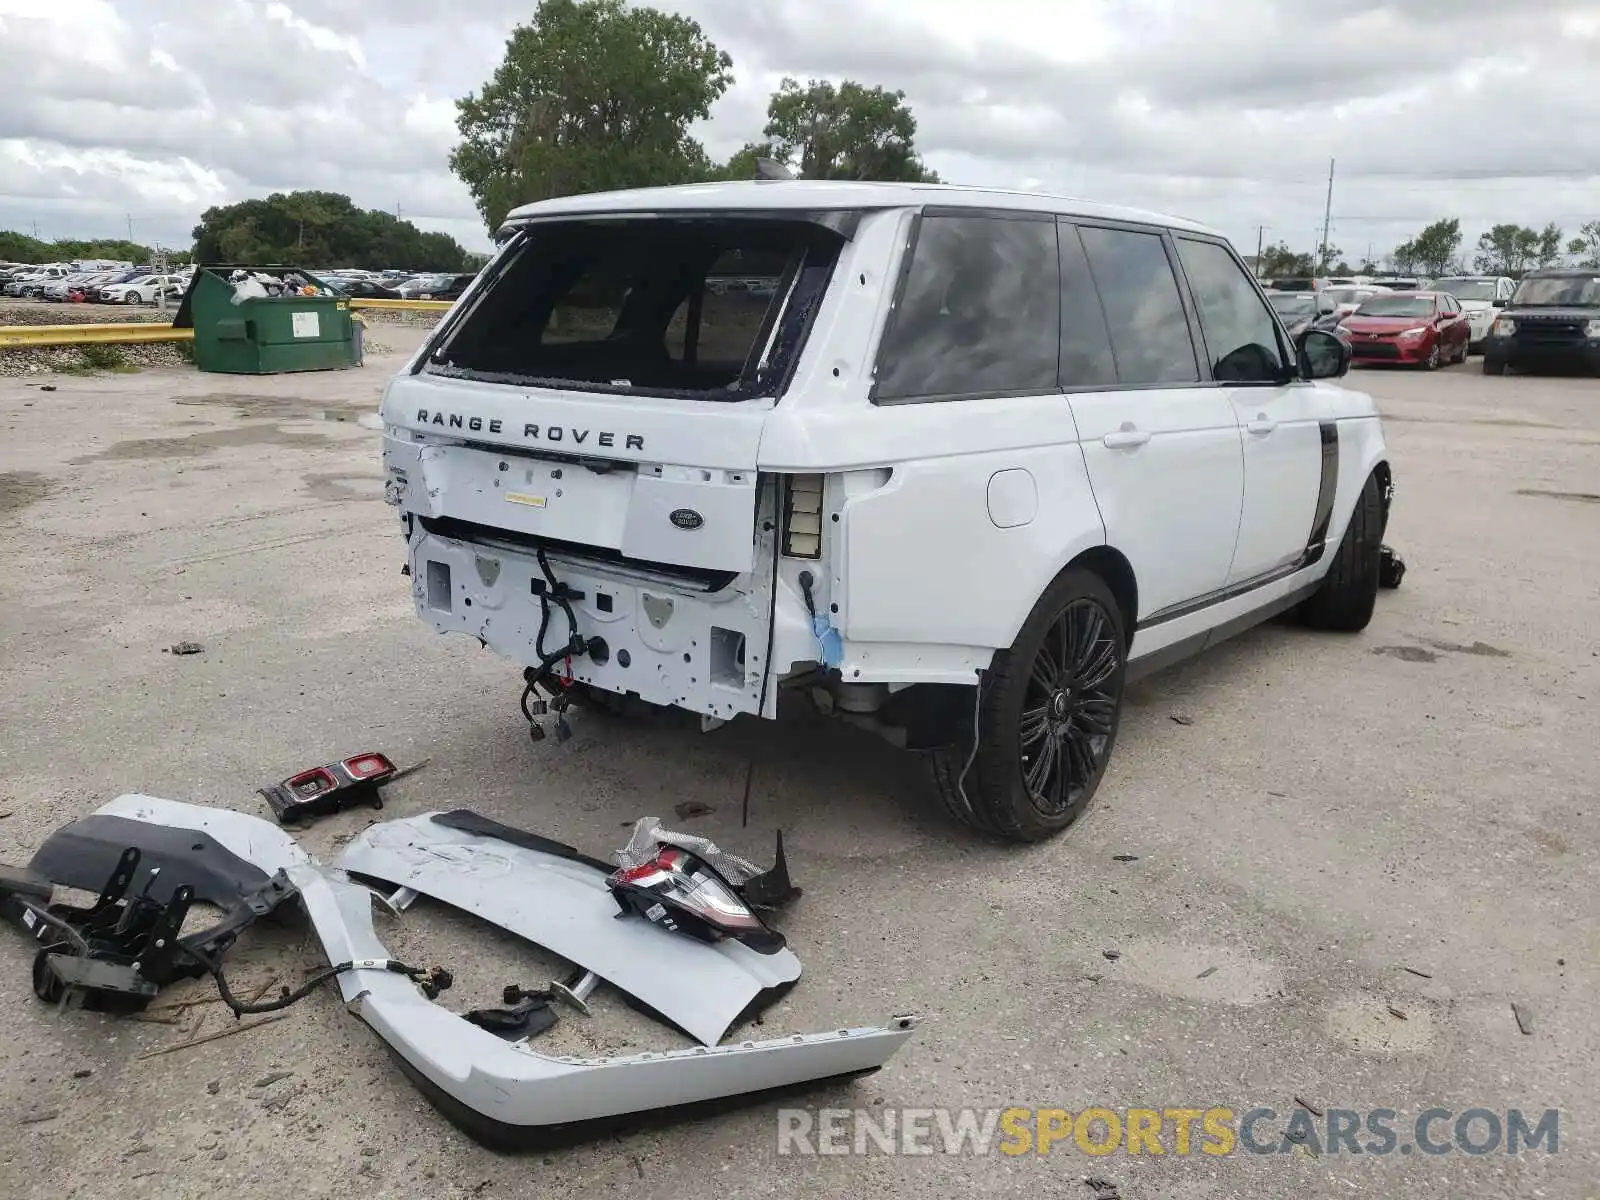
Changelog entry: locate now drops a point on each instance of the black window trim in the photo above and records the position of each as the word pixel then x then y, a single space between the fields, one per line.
pixel 1067 226
pixel 1286 347
pixel 907 255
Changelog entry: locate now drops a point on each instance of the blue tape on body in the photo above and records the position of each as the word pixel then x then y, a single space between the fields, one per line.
pixel 830 641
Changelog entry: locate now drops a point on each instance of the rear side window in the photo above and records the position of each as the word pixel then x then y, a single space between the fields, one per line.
pixel 1241 336
pixel 979 314
pixel 1144 310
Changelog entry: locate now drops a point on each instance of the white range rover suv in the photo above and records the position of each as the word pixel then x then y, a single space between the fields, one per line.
pixel 959 463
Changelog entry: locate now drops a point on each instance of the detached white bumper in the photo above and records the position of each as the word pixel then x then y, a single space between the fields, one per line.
pixel 502 1093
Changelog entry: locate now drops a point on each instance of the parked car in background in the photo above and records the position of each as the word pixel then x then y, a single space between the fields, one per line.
pixel 1297 283
pixel 95 292
pixel 1552 320
pixel 360 289
pixel 34 280
pixel 1305 310
pixel 56 290
pixel 1349 297
pixel 146 289
pixel 1426 329
pixel 1399 283
pixel 1480 296
pixel 437 287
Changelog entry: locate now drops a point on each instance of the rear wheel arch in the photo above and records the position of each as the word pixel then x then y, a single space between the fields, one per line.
pixel 1114 569
pixel 1385 485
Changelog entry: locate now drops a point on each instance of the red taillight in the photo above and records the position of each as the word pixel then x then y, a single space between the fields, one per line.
pixel 365 766
pixel 680 891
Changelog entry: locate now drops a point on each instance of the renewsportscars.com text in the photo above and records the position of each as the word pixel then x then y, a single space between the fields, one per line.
pixel 1216 1131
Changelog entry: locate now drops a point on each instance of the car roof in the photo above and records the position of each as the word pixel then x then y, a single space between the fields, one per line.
pixel 1409 293
pixel 1563 273
pixel 813 194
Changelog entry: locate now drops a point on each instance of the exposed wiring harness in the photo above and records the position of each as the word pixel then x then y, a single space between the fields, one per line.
pixel 432 981
pixel 575 645
pixel 972 755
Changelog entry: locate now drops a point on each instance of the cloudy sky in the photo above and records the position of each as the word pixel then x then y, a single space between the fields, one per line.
pixel 151 110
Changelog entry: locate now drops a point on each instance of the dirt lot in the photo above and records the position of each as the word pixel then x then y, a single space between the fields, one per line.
pixel 1349 856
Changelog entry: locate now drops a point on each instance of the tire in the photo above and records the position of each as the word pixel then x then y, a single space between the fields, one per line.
pixel 1466 349
pixel 1494 366
pixel 1349 591
pixel 1432 362
pixel 1027 719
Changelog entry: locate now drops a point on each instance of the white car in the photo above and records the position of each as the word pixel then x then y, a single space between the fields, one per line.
pixel 1349 297
pixel 144 290
pixel 1480 296
pixel 980 460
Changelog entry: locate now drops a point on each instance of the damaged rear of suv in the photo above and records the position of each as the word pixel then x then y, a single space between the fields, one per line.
pixel 958 463
pixel 576 451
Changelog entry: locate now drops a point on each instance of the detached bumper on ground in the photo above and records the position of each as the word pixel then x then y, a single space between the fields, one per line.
pixel 502 1093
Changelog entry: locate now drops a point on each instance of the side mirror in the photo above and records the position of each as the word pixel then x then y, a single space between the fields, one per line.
pixel 1323 355
pixel 1501 303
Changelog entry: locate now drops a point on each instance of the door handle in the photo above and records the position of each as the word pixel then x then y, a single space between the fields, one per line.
pixel 1262 425
pixel 1126 438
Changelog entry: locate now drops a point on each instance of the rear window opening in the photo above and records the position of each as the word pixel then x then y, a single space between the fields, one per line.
pixel 708 307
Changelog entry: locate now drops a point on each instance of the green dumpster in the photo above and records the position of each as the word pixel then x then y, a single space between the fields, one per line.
pixel 239 330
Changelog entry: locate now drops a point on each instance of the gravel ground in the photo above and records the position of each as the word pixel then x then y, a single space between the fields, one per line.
pixel 1320 873
pixel 41 312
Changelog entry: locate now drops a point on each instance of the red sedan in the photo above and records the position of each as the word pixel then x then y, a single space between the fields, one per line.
pixel 1425 329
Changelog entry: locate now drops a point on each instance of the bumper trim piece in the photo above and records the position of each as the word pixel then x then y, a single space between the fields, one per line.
pixel 502 1094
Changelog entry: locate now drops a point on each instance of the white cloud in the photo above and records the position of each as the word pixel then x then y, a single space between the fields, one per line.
pixel 1473 108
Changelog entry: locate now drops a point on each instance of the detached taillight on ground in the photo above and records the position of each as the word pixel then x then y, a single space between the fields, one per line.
pixel 681 892
pixel 330 789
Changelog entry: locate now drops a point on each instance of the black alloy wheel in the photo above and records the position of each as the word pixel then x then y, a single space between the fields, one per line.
pixel 1044 719
pixel 1069 708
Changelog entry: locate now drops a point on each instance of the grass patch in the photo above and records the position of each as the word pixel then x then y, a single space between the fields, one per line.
pixel 102 358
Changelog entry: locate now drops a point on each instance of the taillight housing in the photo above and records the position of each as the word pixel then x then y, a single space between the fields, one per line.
pixel 681 892
pixel 802 516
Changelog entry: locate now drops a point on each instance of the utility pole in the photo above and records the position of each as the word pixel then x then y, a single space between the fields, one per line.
pixel 1327 219
pixel 1261 231
pixel 130 227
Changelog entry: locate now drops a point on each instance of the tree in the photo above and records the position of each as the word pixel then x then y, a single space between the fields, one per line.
pixel 20 248
pixel 319 229
pixel 1586 246
pixel 1547 248
pixel 844 132
pixel 742 164
pixel 1278 260
pixel 1433 250
pixel 1515 249
pixel 591 95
